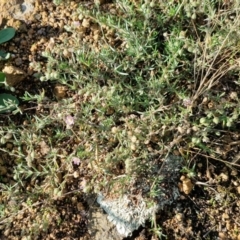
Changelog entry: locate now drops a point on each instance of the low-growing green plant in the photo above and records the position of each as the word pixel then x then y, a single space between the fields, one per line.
pixel 144 95
pixel 8 102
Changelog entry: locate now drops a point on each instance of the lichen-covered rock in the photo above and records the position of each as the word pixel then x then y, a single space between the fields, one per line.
pixel 124 214
pixel 127 215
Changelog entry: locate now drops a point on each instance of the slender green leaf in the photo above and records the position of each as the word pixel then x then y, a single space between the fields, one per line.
pixel 2 77
pixel 8 102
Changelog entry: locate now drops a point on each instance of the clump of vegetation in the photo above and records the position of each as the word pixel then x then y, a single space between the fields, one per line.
pixel 151 79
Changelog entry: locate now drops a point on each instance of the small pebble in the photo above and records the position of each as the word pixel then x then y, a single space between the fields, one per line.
pixel 11 48
pixel 18 61
pixel 222 236
pixel 225 216
pixel 24 42
pixel 38 16
pixel 86 23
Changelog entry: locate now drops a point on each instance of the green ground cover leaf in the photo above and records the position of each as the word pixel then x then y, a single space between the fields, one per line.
pixel 6 34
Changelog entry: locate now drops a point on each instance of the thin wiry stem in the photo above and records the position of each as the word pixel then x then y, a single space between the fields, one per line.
pixel 206 84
